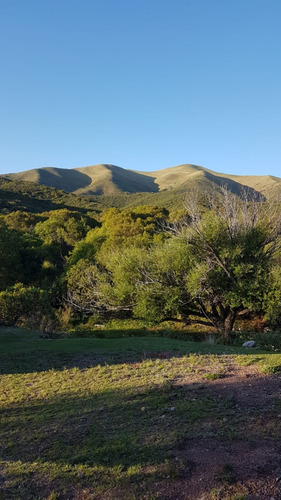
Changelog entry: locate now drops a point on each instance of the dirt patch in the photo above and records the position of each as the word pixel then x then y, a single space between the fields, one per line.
pixel 246 468
pixel 245 465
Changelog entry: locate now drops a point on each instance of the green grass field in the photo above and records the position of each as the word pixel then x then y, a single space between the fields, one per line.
pixel 113 418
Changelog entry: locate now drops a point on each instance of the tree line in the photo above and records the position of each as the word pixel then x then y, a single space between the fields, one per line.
pixel 217 259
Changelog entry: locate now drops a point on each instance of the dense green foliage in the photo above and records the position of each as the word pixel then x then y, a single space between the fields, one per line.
pixel 27 196
pixel 210 262
pixel 28 305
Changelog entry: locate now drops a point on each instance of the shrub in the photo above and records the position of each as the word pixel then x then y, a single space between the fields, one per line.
pixel 26 306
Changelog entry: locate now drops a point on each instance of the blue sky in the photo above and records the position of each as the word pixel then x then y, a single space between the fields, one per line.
pixel 143 84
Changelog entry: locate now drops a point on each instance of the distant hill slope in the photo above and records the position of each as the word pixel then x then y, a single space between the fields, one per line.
pixel 97 179
pixel 112 180
pixel 182 175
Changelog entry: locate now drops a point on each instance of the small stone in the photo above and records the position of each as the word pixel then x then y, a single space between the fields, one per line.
pixel 249 344
pixel 142 408
pixel 224 419
pixel 162 416
pixel 172 409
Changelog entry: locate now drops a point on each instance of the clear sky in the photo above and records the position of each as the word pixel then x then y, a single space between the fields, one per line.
pixel 143 84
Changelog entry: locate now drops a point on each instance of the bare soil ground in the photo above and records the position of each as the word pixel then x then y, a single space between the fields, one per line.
pixel 244 467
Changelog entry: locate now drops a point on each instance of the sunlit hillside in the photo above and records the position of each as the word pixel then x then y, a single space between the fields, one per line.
pixel 113 180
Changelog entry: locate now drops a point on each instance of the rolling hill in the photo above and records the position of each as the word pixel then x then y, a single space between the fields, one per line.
pixel 111 180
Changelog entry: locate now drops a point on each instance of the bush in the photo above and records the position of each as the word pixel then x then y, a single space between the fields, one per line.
pixel 269 341
pixel 26 306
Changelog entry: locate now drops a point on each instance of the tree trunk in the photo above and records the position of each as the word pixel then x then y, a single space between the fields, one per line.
pixel 228 324
pixel 222 317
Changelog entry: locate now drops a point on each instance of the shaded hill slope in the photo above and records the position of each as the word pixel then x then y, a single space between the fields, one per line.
pixel 183 175
pixel 96 179
pixel 112 180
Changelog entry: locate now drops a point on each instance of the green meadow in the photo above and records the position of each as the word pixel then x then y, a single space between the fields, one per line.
pixel 114 418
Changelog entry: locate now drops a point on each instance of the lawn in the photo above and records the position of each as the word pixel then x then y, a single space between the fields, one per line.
pixel 135 418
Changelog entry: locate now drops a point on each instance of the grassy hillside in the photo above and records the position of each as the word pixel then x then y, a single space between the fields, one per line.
pixel 97 179
pixel 268 185
pixel 184 175
pixel 110 180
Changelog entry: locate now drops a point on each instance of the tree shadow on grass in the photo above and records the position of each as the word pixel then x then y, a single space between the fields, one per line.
pixel 173 434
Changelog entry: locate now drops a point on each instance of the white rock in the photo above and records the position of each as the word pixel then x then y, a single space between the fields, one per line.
pixel 249 343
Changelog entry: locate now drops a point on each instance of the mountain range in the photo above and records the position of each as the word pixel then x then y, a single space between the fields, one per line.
pixel 111 180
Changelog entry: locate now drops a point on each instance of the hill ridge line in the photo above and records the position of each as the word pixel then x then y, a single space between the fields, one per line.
pixel 110 179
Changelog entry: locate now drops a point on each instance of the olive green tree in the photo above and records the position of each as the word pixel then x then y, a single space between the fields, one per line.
pixel 231 246
pixel 25 305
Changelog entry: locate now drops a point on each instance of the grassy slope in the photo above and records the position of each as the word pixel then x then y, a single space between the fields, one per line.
pixel 97 179
pixel 268 185
pixel 110 179
pixel 174 177
pixel 94 418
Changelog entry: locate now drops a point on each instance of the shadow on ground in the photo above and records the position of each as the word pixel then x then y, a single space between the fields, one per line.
pixel 35 352
pixel 153 427
pixel 178 436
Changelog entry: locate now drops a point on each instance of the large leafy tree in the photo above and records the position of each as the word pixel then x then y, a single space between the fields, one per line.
pixel 231 248
pixel 11 268
pixel 20 258
pixel 63 227
pixel 139 226
pixel 149 283
pixel 21 221
pixel 24 305
pixel 89 289
pixel 161 292
pixel 87 247
pixel 59 234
